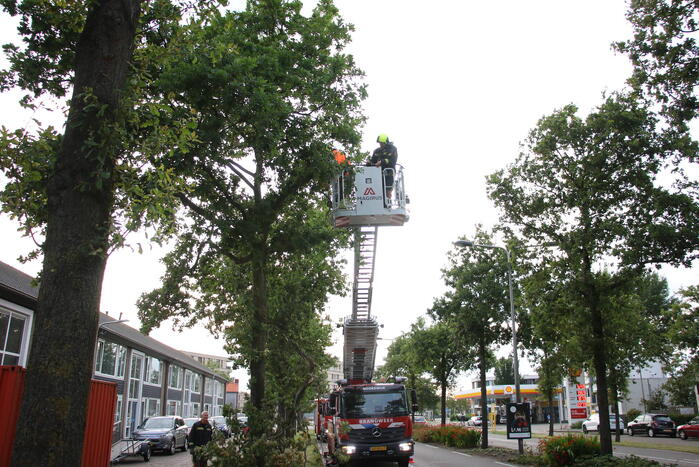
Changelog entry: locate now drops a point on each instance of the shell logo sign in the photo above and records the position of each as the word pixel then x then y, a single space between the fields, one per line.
pixel 508 389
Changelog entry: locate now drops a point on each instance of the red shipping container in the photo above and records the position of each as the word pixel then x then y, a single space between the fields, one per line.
pixel 11 390
pixel 97 443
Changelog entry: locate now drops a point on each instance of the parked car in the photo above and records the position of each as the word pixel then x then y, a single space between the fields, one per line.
pixel 190 422
pixel 420 420
pixel 652 424
pixel 475 421
pixel 689 429
pixel 592 423
pixel 163 433
pixel 219 423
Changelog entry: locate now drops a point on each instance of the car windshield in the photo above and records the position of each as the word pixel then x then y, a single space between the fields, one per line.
pixel 190 421
pixel 419 419
pixel 219 420
pixel 357 403
pixel 662 418
pixel 155 423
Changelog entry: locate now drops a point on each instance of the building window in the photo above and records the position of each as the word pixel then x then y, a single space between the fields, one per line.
pixel 174 407
pixel 11 337
pixel 151 407
pixel 175 378
pixel 207 387
pixel 195 409
pixel 117 412
pixel 154 371
pixel 196 383
pixel 111 359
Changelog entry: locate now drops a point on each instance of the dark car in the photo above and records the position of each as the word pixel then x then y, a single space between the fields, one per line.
pixel 689 429
pixel 163 433
pixel 219 423
pixel 652 424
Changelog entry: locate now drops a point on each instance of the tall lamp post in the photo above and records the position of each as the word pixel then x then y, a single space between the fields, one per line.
pixel 515 359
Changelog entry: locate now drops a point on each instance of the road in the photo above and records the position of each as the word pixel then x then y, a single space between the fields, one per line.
pixel 179 459
pixel 427 455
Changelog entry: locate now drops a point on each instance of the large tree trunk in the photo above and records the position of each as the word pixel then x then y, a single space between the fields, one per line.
pixel 599 357
pixel 443 400
pixel 259 338
pixel 484 396
pixel 80 197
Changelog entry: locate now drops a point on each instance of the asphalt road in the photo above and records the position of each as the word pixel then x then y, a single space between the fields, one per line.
pixel 427 455
pixel 179 459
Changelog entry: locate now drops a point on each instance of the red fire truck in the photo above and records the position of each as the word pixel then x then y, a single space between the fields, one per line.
pixel 371 422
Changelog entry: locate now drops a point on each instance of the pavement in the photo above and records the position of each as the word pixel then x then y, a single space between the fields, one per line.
pixel 179 459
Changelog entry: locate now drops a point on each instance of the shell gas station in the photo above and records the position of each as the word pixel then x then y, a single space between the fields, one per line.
pixel 499 395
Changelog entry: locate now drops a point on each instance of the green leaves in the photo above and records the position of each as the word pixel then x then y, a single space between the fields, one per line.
pixel 664 53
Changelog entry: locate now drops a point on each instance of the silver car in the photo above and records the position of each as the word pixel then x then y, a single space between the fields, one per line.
pixel 592 423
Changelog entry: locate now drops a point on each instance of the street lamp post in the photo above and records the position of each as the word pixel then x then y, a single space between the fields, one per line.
pixel 515 359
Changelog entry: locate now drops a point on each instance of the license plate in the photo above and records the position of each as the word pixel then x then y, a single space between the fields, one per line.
pixel 378 448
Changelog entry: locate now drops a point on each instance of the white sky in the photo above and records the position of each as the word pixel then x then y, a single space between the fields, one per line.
pixel 456 85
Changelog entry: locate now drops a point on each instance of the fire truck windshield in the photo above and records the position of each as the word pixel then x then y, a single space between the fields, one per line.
pixel 362 403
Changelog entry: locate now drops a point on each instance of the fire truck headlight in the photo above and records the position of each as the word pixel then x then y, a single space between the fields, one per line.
pixel 349 449
pixel 405 447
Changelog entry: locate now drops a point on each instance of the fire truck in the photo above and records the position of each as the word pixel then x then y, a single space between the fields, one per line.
pixel 366 420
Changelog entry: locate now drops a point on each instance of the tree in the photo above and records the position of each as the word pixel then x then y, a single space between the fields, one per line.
pixel 82 190
pixel 504 371
pixel 682 333
pixel 476 306
pixel 547 330
pixel 442 353
pixel 402 359
pixel 79 196
pixel 272 92
pixel 665 54
pixel 591 188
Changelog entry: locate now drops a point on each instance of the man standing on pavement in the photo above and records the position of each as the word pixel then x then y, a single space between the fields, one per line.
pixel 199 435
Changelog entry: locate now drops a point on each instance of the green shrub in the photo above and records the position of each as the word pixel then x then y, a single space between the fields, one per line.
pixel 576 425
pixel 565 450
pixel 449 435
pixel 680 419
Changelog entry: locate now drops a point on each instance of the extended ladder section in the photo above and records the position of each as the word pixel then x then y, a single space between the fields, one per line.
pixel 360 329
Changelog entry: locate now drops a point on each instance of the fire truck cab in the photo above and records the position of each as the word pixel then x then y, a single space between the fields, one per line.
pixel 372 422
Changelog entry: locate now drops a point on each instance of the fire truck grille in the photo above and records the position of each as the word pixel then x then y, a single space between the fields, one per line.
pixel 368 435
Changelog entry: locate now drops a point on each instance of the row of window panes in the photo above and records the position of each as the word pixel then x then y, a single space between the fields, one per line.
pixel 11 333
pixel 111 359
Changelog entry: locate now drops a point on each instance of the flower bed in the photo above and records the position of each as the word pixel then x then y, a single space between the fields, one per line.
pixel 449 435
pixel 565 450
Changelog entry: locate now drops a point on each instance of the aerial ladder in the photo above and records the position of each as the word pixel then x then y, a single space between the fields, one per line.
pixel 359 202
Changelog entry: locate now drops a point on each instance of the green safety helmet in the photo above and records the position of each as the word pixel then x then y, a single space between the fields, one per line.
pixel 383 138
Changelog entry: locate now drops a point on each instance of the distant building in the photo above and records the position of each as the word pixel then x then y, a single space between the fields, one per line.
pixel 233 394
pixel 151 377
pixel 211 361
pixel 334 374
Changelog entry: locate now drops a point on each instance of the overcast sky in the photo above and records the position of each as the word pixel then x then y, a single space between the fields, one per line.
pixel 456 85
